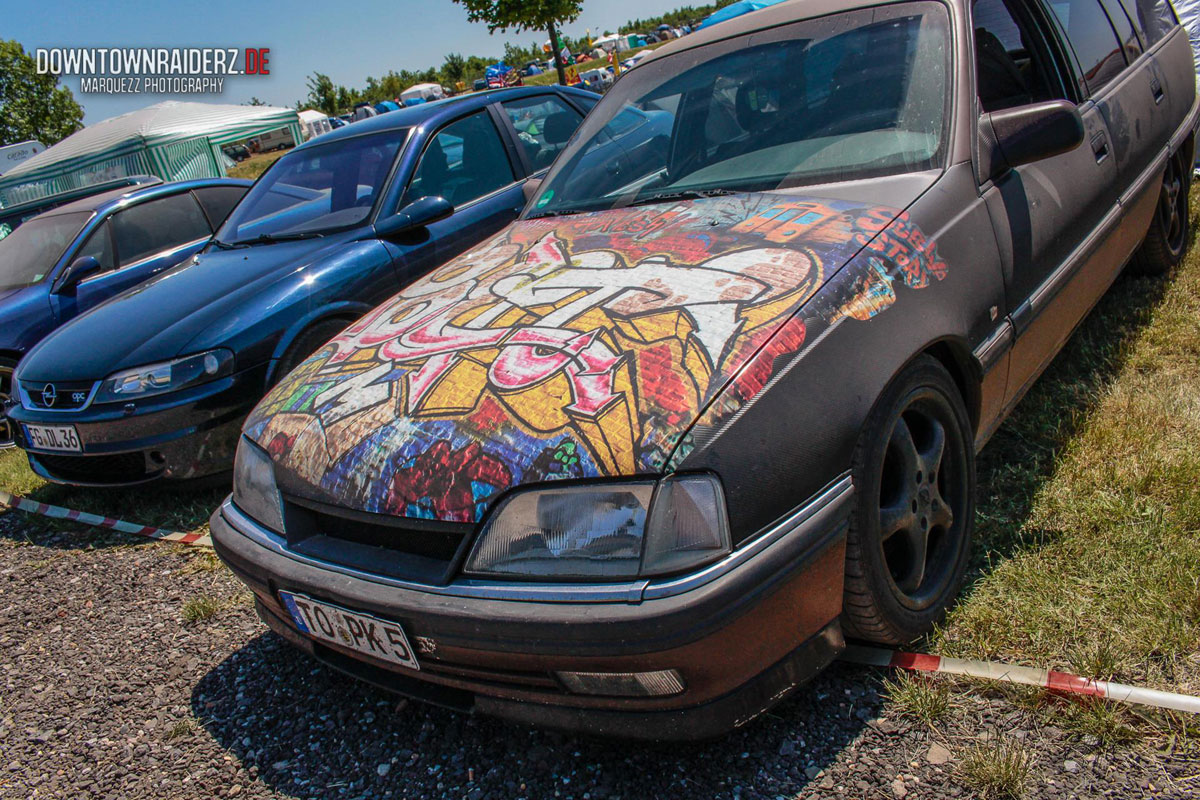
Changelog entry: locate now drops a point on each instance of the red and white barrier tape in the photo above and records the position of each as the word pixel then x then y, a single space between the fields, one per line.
pixel 58 512
pixel 1061 682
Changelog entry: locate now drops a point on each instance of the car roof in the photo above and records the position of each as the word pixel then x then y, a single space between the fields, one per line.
pixel 763 18
pixel 119 184
pixel 433 111
pixel 107 201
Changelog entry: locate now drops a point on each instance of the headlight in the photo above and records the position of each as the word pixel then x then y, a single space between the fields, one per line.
pixel 254 489
pixel 165 376
pixel 605 531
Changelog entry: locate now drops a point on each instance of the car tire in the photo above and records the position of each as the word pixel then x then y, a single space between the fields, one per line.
pixel 1167 239
pixel 310 340
pixel 910 533
pixel 7 366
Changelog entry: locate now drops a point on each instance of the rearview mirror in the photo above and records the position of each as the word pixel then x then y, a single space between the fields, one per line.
pixel 1029 133
pixel 420 212
pixel 79 270
pixel 531 188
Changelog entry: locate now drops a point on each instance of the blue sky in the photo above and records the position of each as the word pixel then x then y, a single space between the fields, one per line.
pixel 347 39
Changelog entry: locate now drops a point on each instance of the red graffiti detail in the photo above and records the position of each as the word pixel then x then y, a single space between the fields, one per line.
pixel 660 380
pixel 280 444
pixel 443 476
pixel 751 380
pixel 533 354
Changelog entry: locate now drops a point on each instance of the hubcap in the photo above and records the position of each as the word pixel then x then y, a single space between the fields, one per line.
pixel 922 485
pixel 6 434
pixel 1172 204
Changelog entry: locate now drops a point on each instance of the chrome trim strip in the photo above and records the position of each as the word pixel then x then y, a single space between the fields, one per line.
pixel 28 405
pixel 144 259
pixel 839 490
pixel 632 592
pixel 994 346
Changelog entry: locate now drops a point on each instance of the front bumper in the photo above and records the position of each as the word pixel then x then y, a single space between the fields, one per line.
pixel 178 436
pixel 743 632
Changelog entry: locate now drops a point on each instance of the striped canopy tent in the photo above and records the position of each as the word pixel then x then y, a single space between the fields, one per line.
pixel 172 140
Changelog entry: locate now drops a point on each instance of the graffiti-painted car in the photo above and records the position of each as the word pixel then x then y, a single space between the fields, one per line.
pixel 166 375
pixel 639 463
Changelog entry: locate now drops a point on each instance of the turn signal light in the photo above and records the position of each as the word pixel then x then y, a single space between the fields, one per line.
pixel 659 683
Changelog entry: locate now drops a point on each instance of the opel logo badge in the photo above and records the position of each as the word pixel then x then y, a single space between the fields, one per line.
pixel 49 395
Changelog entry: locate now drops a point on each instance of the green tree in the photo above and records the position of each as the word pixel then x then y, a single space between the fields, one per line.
pixel 322 94
pixel 541 15
pixel 454 68
pixel 33 106
pixel 254 101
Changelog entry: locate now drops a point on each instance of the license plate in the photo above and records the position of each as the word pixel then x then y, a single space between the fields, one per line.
pixel 53 437
pixel 361 632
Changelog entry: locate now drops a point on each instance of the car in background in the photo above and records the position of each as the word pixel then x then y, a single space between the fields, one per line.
pixel 598 80
pixel 238 152
pixel 12 216
pixel 154 386
pixel 640 462
pixel 65 261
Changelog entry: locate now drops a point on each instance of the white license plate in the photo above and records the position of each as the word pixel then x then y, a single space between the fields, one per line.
pixel 53 437
pixel 362 632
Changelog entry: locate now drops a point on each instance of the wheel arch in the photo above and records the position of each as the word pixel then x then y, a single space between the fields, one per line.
pixel 955 356
pixel 346 311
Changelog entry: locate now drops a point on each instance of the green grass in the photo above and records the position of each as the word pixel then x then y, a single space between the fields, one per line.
pixel 1089 504
pixel 922 697
pixel 997 770
pixel 201 607
pixel 255 165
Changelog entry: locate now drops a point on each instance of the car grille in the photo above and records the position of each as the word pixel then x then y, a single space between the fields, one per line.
pixel 105 469
pixel 427 551
pixel 57 395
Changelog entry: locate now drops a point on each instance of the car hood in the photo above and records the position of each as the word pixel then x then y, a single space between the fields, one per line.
pixel 158 319
pixel 567 347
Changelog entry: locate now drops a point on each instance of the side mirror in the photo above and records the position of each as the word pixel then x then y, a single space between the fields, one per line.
pixel 79 270
pixel 1022 135
pixel 532 188
pixel 419 213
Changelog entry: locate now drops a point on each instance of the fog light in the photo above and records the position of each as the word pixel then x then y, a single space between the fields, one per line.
pixel 624 684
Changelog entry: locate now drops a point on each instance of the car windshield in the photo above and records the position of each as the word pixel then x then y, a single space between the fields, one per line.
pixel 29 253
pixel 315 189
pixel 853 95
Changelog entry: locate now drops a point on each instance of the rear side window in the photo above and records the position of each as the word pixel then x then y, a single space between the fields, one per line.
pixel 218 201
pixel 1124 28
pixel 1152 18
pixel 543 125
pixel 1091 35
pixel 158 225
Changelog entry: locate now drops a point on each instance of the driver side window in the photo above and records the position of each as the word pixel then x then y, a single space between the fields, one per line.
pixel 1011 65
pixel 464 161
pixel 99 246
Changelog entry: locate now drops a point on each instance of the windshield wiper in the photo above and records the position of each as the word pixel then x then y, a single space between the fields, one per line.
pixel 563 212
pixel 686 194
pixel 272 238
pixel 228 245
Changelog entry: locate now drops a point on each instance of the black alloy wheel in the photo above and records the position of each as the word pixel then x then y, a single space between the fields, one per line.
pixel 6 392
pixel 910 536
pixel 1167 238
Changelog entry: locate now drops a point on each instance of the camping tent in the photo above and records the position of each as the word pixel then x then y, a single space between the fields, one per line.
pixel 172 140
pixel 735 10
pixel 315 123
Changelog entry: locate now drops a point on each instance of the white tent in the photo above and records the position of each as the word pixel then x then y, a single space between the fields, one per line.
pixel 314 123
pixel 172 140
pixel 421 91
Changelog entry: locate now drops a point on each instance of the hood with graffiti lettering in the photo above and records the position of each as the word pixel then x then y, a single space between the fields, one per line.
pixel 570 347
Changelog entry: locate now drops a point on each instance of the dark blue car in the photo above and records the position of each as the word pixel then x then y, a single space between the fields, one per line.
pixel 63 262
pixel 155 385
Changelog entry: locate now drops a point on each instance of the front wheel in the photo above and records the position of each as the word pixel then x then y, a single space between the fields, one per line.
pixel 910 534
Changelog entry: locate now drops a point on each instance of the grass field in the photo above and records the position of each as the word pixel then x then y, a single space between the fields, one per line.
pixel 255 165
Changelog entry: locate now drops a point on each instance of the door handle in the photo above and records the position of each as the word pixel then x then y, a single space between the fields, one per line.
pixel 1156 89
pixel 1100 146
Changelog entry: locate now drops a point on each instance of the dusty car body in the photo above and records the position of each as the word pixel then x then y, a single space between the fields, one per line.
pixel 640 462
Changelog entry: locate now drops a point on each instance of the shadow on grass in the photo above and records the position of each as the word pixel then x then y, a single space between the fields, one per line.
pixel 309 731
pixel 1024 452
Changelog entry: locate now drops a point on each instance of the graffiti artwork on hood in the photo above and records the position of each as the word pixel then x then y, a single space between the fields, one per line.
pixel 570 347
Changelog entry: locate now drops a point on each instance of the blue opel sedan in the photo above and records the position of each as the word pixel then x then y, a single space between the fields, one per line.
pixel 155 385
pixel 64 261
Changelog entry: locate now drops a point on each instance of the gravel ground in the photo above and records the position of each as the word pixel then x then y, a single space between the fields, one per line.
pixel 106 692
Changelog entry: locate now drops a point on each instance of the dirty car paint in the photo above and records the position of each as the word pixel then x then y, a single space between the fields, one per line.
pixel 577 346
